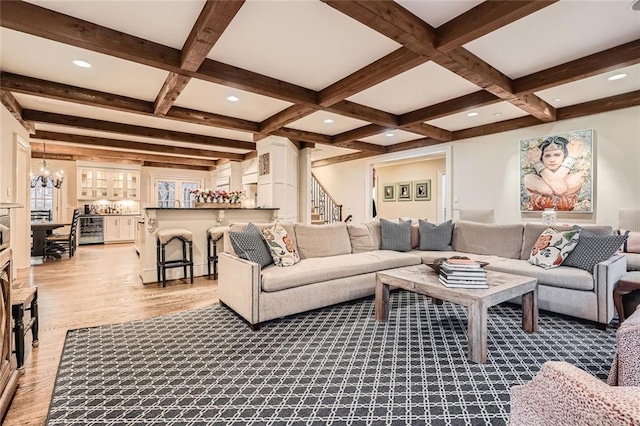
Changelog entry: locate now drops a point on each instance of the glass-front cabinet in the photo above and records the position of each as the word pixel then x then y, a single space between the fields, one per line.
pixel 107 183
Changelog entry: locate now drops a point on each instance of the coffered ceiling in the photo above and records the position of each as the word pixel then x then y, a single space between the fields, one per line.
pixel 350 78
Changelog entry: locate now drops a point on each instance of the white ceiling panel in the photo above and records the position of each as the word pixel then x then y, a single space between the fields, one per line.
pixel 98 134
pixel 392 137
pixel 316 123
pixel 488 114
pixel 557 34
pixel 204 96
pixel 31 56
pixel 67 108
pixel 421 86
pixel 166 22
pixel 302 42
pixel 596 87
pixel 435 12
pixel 320 152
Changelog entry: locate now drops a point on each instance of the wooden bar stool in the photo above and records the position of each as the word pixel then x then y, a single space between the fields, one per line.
pixel 163 238
pixel 214 235
pixel 24 298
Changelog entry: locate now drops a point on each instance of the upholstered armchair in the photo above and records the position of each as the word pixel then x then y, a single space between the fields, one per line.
pixel 625 370
pixel 562 394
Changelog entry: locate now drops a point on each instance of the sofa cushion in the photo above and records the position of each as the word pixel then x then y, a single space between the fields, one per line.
pixel 553 247
pixel 360 237
pixel 322 240
pixel 435 237
pixel 250 245
pixel 533 230
pixel 283 249
pixel 227 247
pixel 633 261
pixel 490 239
pixel 318 269
pixel 562 276
pixel 592 249
pixel 396 236
pixel 632 245
pixel 375 229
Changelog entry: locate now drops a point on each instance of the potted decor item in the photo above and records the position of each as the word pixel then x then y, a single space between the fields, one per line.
pixel 217 199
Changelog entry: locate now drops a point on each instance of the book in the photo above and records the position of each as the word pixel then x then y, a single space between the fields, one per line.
pixel 463 279
pixel 463 272
pixel 462 285
pixel 462 264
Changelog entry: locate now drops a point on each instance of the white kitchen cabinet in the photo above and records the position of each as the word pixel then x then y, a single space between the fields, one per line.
pixel 119 229
pixel 107 183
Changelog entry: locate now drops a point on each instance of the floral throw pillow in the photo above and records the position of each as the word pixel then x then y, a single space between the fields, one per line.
pixel 283 250
pixel 553 247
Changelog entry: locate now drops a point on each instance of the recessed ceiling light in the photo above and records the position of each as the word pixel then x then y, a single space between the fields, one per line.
pixel 497 114
pixel 82 64
pixel 389 134
pixel 233 98
pixel 328 121
pixel 472 114
pixel 617 76
pixel 556 100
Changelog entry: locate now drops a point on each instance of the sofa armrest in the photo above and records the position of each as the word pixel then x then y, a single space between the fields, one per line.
pixel 606 274
pixel 562 394
pixel 239 286
pixel 625 369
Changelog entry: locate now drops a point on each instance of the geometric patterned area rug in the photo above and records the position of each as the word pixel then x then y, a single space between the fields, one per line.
pixel 332 366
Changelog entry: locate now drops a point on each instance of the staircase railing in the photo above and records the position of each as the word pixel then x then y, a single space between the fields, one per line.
pixel 323 204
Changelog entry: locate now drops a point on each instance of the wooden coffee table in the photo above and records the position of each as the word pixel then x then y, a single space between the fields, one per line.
pixel 502 287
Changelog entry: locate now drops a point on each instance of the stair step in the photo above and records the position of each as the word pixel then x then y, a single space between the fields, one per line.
pixel 317 222
pixel 315 216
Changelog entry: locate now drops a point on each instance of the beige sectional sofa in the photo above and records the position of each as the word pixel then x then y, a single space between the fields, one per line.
pixel 339 263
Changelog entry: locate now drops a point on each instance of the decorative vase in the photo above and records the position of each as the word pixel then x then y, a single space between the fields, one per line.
pixel 549 217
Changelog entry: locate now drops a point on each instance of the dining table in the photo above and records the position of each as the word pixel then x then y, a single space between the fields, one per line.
pixel 40 230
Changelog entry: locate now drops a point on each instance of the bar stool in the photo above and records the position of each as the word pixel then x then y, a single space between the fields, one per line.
pixel 214 235
pixel 163 238
pixel 24 298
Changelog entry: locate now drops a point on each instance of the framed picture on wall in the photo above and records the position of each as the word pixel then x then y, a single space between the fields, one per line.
pixel 389 192
pixel 422 190
pixel 263 164
pixel 556 172
pixel 404 191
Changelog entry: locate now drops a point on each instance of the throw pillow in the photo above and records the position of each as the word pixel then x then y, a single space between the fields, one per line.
pixel 435 237
pixel 249 245
pixel 553 247
pixel 592 249
pixel 396 236
pixel 283 248
pixel 632 244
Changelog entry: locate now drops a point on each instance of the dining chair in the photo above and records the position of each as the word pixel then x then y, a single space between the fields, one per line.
pixel 39 215
pixel 60 243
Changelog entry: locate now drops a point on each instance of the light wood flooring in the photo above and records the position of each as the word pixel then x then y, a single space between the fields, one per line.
pixel 99 285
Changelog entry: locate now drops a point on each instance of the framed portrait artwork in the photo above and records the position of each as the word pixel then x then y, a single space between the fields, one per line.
pixel 404 191
pixel 422 190
pixel 263 164
pixel 389 192
pixel 556 172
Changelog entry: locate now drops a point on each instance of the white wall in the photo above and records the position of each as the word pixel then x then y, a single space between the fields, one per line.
pixel 486 171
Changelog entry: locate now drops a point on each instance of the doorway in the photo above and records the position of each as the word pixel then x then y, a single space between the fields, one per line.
pixel 21 246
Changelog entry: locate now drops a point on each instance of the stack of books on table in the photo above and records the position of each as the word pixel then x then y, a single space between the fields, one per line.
pixel 462 273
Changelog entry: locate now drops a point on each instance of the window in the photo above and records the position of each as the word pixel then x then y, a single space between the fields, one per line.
pixel 166 192
pixel 42 198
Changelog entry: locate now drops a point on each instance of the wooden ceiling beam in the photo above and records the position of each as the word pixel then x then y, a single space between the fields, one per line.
pixel 302 135
pixel 359 133
pixel 418 143
pixel 429 131
pixel 363 146
pixel 129 129
pixel 122 155
pixel 64 92
pixel 625 100
pixel 393 64
pixel 214 18
pixel 482 19
pixel 595 64
pixel 11 103
pixel 140 146
pixel 342 158
pixel 175 166
pixel 363 112
pixel 302 144
pixel 76 157
pixel 286 116
pixel 452 106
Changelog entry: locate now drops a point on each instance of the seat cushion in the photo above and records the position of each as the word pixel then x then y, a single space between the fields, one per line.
pixel 318 269
pixel 562 276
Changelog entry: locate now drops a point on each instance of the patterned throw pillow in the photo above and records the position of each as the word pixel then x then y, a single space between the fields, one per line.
pixel 396 236
pixel 435 237
pixel 249 245
pixel 593 249
pixel 632 244
pixel 283 249
pixel 552 247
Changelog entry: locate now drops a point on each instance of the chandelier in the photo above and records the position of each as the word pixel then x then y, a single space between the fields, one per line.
pixel 45 177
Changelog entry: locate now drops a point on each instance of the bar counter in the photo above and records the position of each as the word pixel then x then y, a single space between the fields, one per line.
pixel 197 220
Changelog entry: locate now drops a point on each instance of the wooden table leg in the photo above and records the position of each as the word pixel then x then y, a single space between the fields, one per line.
pixel 382 300
pixel 530 311
pixel 18 334
pixel 477 332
